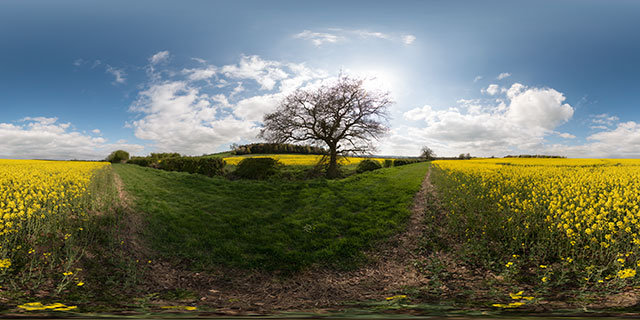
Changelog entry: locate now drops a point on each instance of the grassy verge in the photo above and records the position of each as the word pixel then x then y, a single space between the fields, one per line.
pixel 270 225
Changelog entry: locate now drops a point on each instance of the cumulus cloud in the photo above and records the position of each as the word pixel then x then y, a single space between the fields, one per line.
pixel 181 114
pixel 46 138
pixel 418 113
pixel 503 75
pixel 408 39
pixel 492 89
pixel 200 74
pixel 543 108
pixel 159 57
pixel 521 121
pixel 566 135
pixel 266 73
pixel 623 141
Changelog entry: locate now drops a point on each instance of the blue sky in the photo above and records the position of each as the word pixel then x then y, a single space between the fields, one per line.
pixel 79 79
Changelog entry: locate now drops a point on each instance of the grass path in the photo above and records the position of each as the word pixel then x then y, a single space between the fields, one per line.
pixel 270 225
pixel 389 269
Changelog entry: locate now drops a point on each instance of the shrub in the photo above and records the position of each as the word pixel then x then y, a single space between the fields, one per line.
pixel 257 168
pixel 141 161
pixel 402 162
pixel 118 156
pixel 368 165
pixel 206 166
pixel 388 163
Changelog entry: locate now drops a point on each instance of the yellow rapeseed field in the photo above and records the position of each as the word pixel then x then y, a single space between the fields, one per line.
pixel 37 199
pixel 297 159
pixel 576 216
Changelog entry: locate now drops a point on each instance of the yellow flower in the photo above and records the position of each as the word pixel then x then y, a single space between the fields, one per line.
pixel 517 295
pixel 626 273
pixel 396 297
pixel 5 263
pixel 80 284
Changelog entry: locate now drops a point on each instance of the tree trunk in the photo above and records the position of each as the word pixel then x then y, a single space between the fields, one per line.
pixel 332 171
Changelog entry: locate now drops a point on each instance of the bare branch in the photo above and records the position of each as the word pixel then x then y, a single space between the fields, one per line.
pixel 341 112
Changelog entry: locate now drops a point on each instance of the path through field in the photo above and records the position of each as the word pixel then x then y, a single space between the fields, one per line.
pixel 392 268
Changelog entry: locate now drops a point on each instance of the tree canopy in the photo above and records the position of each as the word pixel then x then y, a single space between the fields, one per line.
pixel 344 116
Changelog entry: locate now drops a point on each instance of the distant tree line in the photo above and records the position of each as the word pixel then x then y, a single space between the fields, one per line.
pixel 275 148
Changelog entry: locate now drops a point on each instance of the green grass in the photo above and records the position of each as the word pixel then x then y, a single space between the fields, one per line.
pixel 270 225
pixel 219 155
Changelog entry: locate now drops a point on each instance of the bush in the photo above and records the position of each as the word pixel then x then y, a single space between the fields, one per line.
pixel 257 168
pixel 206 166
pixel 368 165
pixel 141 161
pixel 402 162
pixel 388 163
pixel 118 156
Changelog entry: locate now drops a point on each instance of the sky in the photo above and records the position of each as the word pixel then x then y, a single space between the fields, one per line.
pixel 79 79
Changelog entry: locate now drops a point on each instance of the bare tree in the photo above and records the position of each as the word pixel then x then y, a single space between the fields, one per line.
pixel 427 153
pixel 344 116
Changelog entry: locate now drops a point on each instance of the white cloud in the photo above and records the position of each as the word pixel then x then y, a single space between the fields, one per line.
pixel 543 108
pixel 118 73
pixel 79 62
pixel 46 138
pixel 178 118
pixel 477 78
pixel 623 141
pixel 200 74
pixel 335 35
pixel 503 75
pixel 190 117
pixel 318 38
pixel 496 127
pixel 408 39
pixel 418 113
pixel 604 120
pixel 566 135
pixel 266 73
pixel 492 89
pixel 369 34
pixel 254 108
pixel 96 131
pixel 159 57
